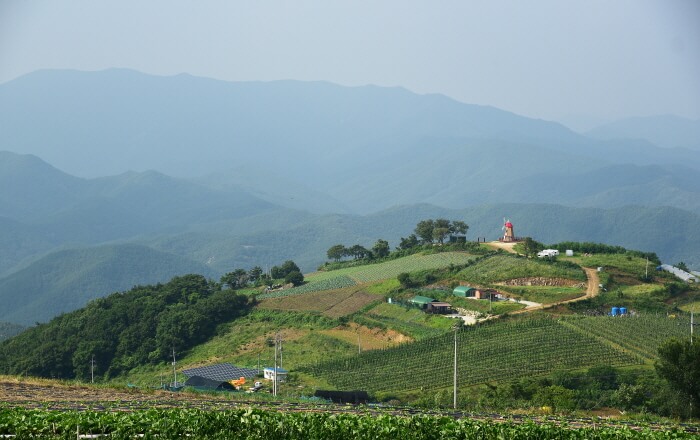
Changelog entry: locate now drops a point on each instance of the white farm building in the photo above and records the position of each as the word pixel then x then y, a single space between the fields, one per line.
pixel 685 276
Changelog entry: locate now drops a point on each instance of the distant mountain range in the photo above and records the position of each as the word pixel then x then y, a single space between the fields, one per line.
pixel 273 171
pixel 327 148
pixel 666 131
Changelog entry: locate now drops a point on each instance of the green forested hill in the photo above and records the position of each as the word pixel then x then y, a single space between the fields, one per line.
pixel 66 280
pixel 124 330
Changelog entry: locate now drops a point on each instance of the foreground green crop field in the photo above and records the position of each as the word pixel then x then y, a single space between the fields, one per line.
pixel 501 351
pixel 268 424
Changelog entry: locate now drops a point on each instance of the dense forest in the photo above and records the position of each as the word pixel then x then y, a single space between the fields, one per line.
pixel 123 330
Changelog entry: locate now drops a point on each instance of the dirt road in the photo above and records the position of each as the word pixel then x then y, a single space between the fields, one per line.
pixel 508 247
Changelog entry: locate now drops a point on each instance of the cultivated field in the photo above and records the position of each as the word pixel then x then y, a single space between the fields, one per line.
pixel 45 409
pixel 390 269
pixel 505 350
pixel 331 303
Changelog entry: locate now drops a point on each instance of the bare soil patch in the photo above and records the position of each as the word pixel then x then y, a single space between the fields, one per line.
pixel 542 281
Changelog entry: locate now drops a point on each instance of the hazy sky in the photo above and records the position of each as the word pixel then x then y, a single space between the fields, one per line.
pixel 545 59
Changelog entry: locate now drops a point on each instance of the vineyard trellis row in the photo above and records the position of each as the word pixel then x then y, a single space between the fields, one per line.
pixel 500 351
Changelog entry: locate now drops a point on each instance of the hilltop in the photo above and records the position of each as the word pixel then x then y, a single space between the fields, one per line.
pixel 345 309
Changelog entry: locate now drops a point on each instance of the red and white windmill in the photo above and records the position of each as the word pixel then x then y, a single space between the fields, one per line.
pixel 508 234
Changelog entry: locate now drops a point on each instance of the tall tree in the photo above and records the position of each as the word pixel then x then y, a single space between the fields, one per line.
pixel 679 364
pixel 358 252
pixel 459 227
pixel 440 233
pixel 254 274
pixel 410 242
pixel 295 277
pixel 336 252
pixel 236 279
pixel 279 272
pixel 381 248
pixel 424 230
pixel 531 247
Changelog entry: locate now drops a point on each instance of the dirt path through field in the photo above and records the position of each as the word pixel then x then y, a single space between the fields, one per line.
pixel 508 247
pixel 592 289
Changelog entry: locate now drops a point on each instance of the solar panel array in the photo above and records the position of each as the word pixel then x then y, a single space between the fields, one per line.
pixel 222 372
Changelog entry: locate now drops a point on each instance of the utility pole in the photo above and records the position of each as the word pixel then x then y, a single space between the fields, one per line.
pixel 274 372
pixel 454 393
pixel 691 328
pixel 646 271
pixel 359 347
pixel 174 370
pixel 278 346
pixel 92 369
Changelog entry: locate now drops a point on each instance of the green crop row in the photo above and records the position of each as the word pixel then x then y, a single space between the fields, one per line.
pixel 337 282
pixel 641 334
pixel 265 424
pixel 390 269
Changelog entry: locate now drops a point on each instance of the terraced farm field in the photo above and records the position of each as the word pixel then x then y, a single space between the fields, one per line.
pixel 332 303
pixel 338 281
pixel 390 269
pixel 507 350
pixel 505 267
pixel 409 321
pixel 545 294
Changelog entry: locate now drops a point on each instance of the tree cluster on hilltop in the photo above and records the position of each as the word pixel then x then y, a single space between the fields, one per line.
pixel 431 231
pixel 124 330
pixel 426 232
pixel 255 277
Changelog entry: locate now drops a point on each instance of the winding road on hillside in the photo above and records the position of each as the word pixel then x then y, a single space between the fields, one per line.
pixel 592 289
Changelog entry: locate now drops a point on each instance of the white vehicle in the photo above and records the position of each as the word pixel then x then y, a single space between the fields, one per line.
pixel 548 253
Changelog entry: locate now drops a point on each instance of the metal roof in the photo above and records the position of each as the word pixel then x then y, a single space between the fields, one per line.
pixel 421 299
pixel 222 372
pixel 685 276
pixel 463 289
pixel 204 382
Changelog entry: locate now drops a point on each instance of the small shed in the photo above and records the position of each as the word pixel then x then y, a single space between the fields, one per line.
pixel 487 294
pixel 457 238
pixel 280 373
pixel 203 383
pixel 355 397
pixel 421 301
pixel 439 307
pixel 464 291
